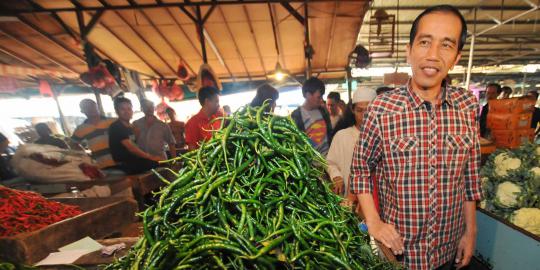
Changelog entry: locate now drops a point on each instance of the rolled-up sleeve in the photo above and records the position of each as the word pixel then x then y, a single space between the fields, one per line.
pixel 367 153
pixel 473 187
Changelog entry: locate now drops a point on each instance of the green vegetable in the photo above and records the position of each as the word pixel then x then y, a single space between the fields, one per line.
pixel 511 183
pixel 251 198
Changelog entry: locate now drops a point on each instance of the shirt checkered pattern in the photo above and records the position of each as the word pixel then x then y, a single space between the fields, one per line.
pixel 426 158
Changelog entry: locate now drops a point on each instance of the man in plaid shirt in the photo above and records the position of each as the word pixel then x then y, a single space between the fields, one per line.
pixel 422 144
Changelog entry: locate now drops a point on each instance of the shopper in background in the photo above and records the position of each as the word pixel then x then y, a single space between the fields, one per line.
pixel 46 137
pixel 506 92
pixel 267 93
pixel 6 170
pixel 199 127
pixel 493 90
pixel 312 118
pixel 227 110
pixel 332 104
pixel 341 150
pixel 153 135
pixel 536 113
pixel 125 152
pixel 422 143
pixel 93 134
pixel 177 129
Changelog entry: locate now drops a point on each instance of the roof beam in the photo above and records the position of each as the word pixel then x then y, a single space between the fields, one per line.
pixel 183 32
pixel 145 41
pixel 19 58
pixel 95 19
pixel 155 5
pixel 277 39
pixel 173 48
pixel 461 7
pixel 50 38
pixel 131 49
pixel 331 40
pixel 293 12
pixel 252 33
pixel 37 51
pixel 234 42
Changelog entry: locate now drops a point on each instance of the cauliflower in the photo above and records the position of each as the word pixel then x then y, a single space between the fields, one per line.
pixel 505 163
pixel 507 194
pixel 536 172
pixel 528 219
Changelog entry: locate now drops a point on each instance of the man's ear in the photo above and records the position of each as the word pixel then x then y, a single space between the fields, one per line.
pixel 458 57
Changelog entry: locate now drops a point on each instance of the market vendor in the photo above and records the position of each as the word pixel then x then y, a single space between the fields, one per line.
pixel 493 90
pixel 131 159
pixel 312 118
pixel 178 129
pixel 264 93
pixel 93 133
pixel 332 104
pixel 153 135
pixel 199 127
pixel 46 137
pixel 6 170
pixel 423 143
pixel 341 150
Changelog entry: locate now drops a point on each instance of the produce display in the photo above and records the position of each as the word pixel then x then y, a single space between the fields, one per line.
pixel 511 185
pixel 251 198
pixel 25 211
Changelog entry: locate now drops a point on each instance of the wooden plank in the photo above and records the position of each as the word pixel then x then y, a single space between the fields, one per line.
pixel 98 223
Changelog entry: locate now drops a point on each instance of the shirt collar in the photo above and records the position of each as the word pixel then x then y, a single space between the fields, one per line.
pixel 203 115
pixel 417 101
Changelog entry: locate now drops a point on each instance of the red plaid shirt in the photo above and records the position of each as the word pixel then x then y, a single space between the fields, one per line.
pixel 427 161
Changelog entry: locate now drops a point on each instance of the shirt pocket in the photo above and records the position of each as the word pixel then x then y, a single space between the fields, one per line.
pixel 404 151
pixel 456 152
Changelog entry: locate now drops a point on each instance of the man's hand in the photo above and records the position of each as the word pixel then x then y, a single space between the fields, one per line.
pixel 387 235
pixel 337 184
pixel 465 249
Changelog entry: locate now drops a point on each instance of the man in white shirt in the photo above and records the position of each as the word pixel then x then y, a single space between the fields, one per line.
pixel 341 150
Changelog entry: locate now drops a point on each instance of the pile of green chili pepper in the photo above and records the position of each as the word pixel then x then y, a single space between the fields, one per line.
pixel 251 198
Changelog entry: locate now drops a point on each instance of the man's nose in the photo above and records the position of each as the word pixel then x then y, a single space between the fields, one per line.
pixel 433 52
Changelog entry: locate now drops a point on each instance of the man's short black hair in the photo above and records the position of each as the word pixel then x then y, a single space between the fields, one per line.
pixel 496 85
pixel 445 9
pixel 383 89
pixel 507 89
pixel 334 96
pixel 313 85
pixel 206 93
pixel 120 100
pixel 533 93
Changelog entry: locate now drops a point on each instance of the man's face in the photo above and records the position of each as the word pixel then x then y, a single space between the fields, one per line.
pixel 313 100
pixel 332 106
pixel 434 50
pixel 212 104
pixel 359 110
pixel 90 109
pixel 491 93
pixel 148 109
pixel 125 111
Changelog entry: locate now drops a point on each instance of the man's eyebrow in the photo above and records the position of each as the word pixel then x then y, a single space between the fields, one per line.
pixel 450 40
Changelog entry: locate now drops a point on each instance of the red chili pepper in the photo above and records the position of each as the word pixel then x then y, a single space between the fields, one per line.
pixel 24 211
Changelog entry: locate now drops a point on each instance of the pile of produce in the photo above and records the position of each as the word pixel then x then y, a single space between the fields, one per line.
pixel 25 211
pixel 251 198
pixel 511 186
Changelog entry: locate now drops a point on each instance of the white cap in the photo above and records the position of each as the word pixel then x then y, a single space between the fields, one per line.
pixel 364 94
